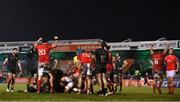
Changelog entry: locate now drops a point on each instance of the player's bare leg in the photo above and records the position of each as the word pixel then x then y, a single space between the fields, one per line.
pixel 51 80
pixel 159 86
pixel 89 91
pixel 170 86
pixel 100 92
pixel 28 83
pixel 10 75
pixel 80 83
pixel 111 88
pixel 85 85
pixel 12 82
pixel 105 83
pixel 154 87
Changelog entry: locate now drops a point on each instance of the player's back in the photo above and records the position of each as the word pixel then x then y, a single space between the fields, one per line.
pixel 85 57
pixel 101 56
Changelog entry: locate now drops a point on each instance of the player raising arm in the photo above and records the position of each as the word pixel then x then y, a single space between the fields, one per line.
pixel 157 59
pixel 44 48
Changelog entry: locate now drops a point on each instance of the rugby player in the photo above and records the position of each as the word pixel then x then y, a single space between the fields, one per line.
pixel 157 58
pixel 12 61
pixel 85 60
pixel 44 48
pixel 117 64
pixel 101 62
pixel 31 65
pixel 172 66
pixel 110 72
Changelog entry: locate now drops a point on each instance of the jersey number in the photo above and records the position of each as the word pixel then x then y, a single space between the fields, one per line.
pixel 42 52
pixel 85 55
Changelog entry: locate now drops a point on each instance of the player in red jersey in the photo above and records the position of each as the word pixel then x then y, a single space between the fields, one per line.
pixel 44 48
pixel 172 66
pixel 86 60
pixel 157 58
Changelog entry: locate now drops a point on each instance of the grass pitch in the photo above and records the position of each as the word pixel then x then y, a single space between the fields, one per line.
pixel 128 94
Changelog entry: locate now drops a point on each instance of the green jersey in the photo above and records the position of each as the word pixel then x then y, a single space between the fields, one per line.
pixel 101 56
pixel 118 62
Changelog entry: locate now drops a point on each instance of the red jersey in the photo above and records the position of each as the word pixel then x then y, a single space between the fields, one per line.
pixel 85 57
pixel 157 59
pixel 170 62
pixel 43 52
pixel 109 67
pixel 109 57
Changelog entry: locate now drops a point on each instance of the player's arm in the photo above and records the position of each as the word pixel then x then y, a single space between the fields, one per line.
pixel 19 65
pixel 151 49
pixel 55 44
pixel 55 63
pixel 125 63
pixel 177 65
pixel 5 62
pixel 166 49
pixel 36 43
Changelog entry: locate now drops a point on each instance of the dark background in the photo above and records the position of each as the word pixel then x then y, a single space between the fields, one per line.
pixel 110 20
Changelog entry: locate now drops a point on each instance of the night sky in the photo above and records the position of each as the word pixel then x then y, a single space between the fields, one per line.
pixel 110 20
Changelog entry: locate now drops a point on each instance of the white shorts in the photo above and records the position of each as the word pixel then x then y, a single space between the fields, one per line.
pixel 171 73
pixel 87 68
pixel 69 86
pixel 41 70
pixel 89 72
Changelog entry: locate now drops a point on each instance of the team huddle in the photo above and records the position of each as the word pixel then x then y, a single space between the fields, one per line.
pixel 100 64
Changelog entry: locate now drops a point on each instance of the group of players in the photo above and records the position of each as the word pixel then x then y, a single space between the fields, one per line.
pixel 100 64
pixel 172 66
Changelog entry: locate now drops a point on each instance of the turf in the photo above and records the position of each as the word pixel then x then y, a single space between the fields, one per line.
pixel 128 94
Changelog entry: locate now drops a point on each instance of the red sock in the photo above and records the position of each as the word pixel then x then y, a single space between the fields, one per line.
pixel 39 85
pixel 172 89
pixel 169 89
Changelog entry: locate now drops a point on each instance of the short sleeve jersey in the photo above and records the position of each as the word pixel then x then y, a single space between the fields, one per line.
pixel 101 57
pixel 170 62
pixel 12 61
pixel 157 59
pixel 44 52
pixel 85 57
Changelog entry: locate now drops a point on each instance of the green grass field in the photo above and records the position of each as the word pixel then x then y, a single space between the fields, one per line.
pixel 128 94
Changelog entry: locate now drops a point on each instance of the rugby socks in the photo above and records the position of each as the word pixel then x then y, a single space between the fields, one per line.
pixel 52 89
pixel 169 89
pixel 172 89
pixel 27 86
pixel 12 81
pixel 8 85
pixel 104 90
pixel 39 85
